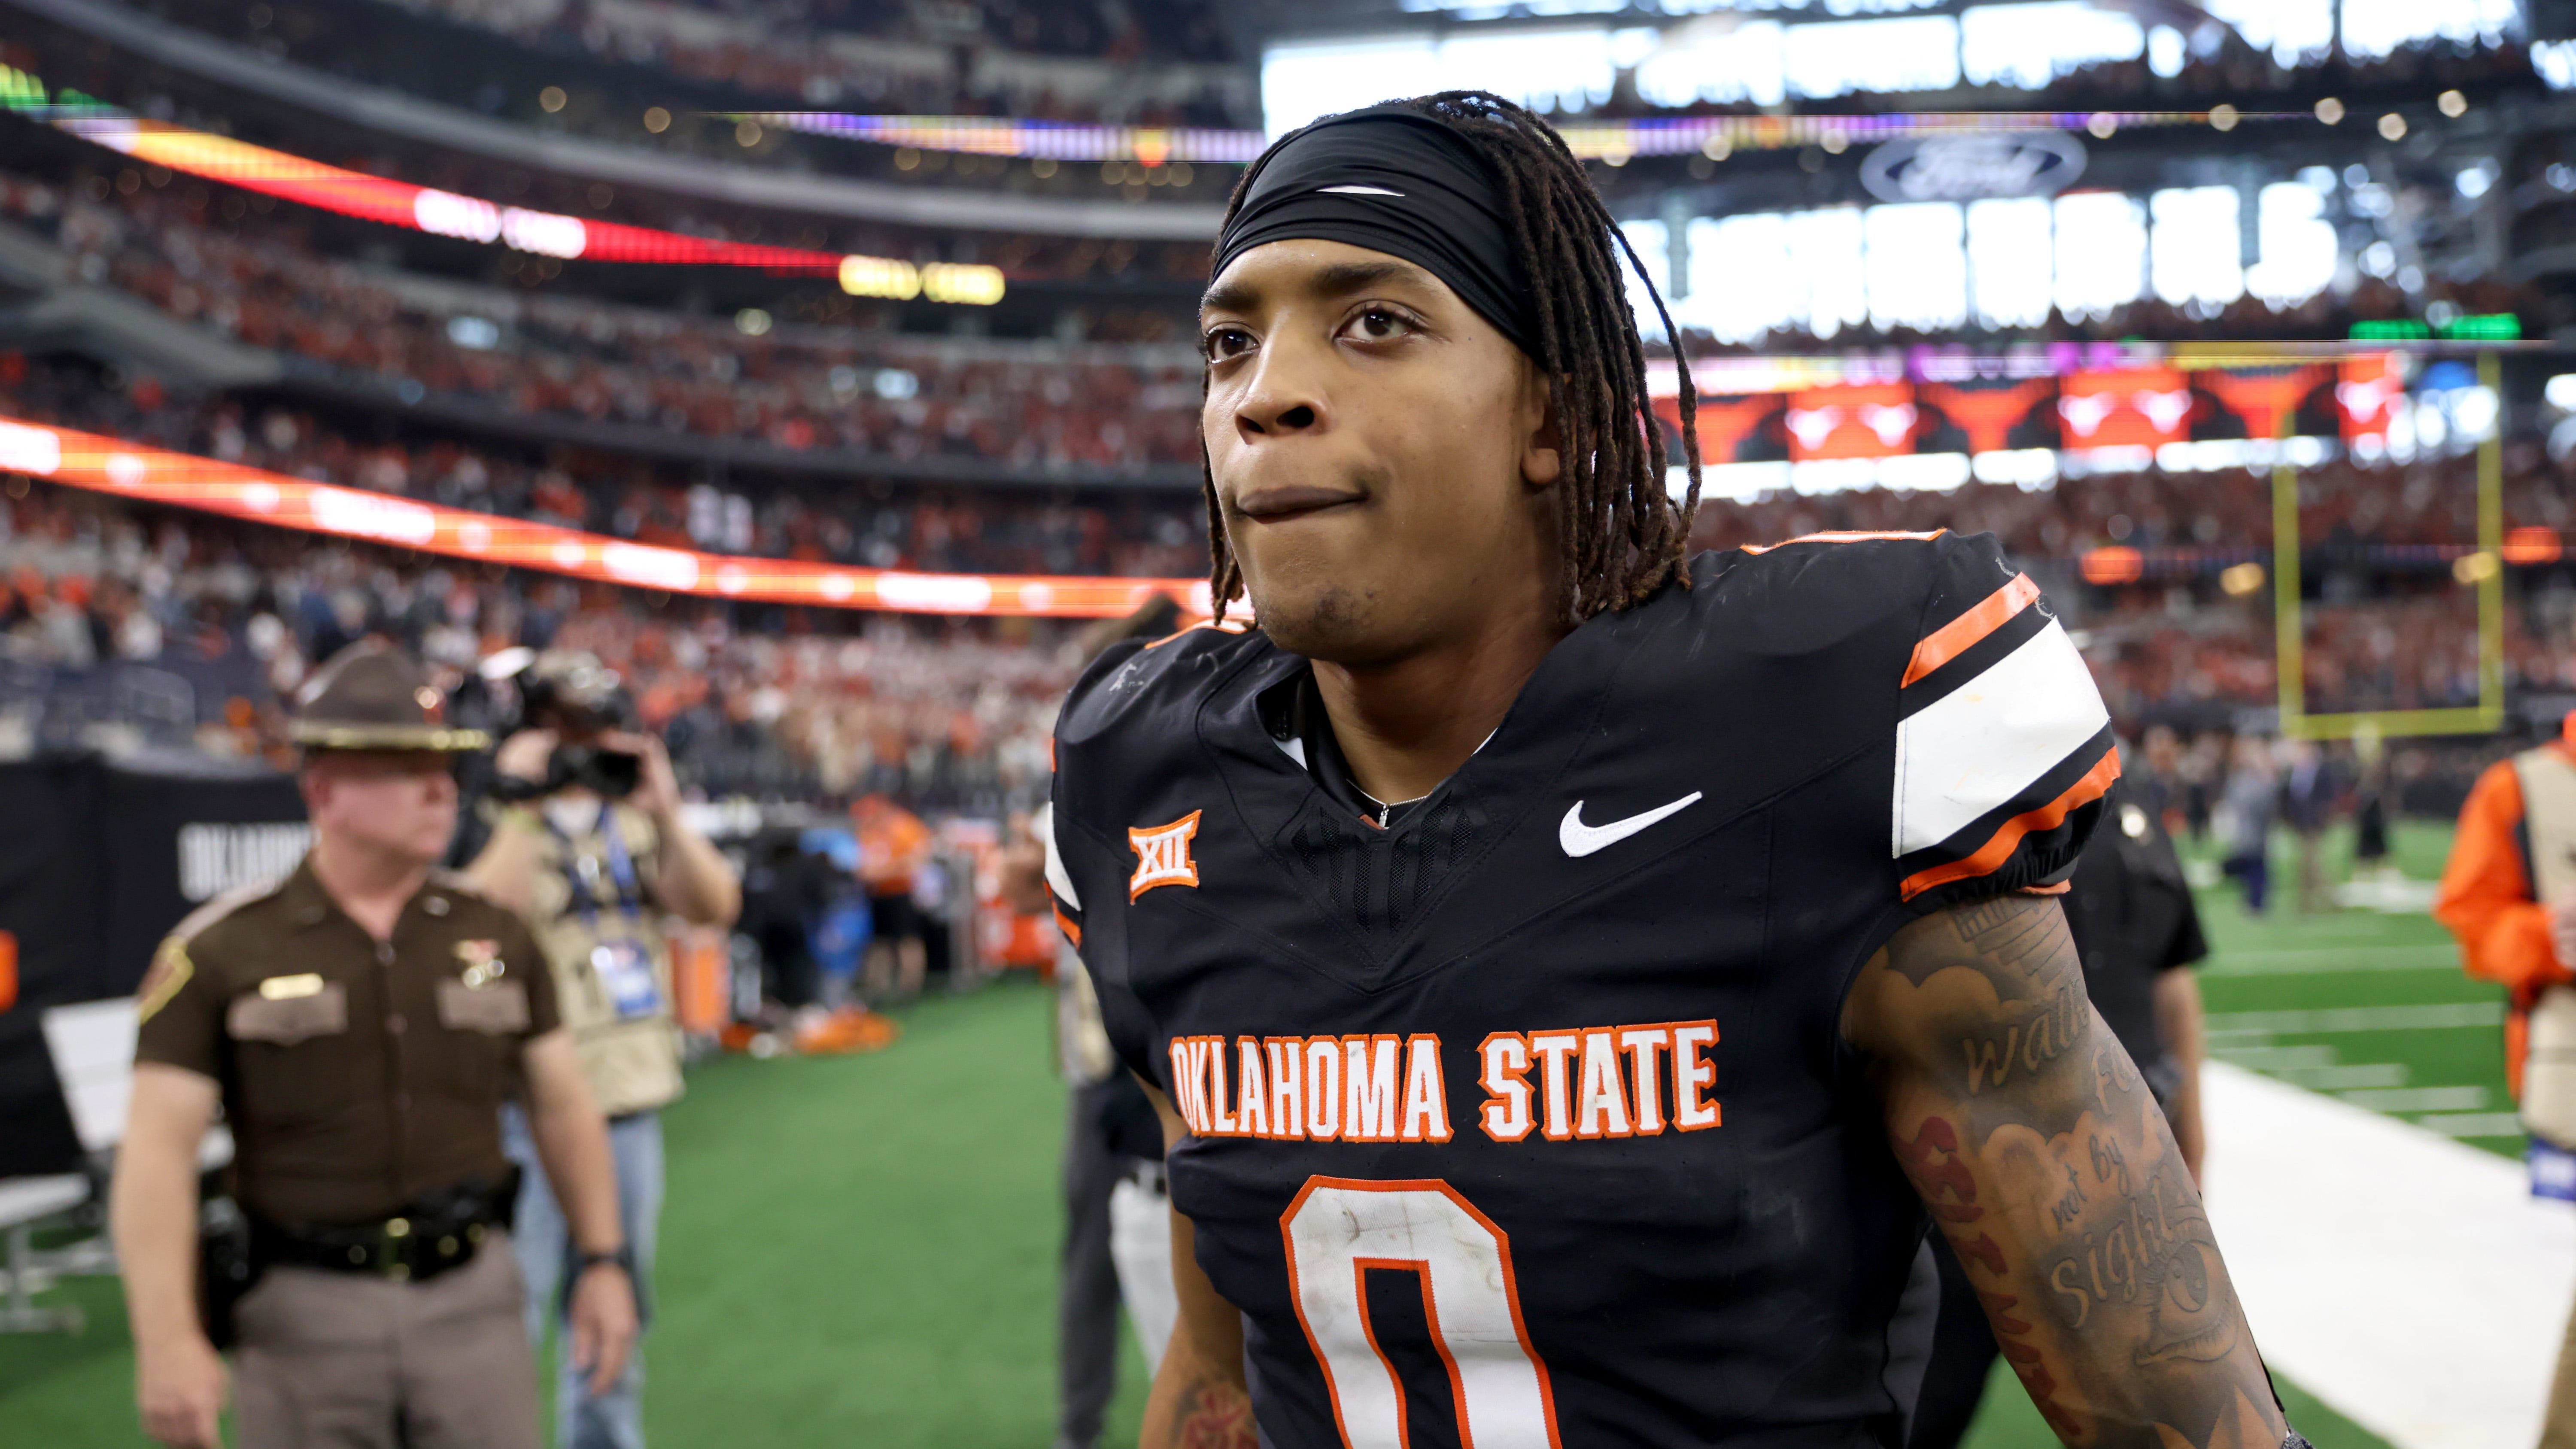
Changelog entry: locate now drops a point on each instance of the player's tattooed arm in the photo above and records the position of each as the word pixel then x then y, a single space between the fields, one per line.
pixel 1198 1399
pixel 2044 1159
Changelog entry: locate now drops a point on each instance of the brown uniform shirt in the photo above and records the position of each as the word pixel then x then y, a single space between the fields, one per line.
pixel 357 1076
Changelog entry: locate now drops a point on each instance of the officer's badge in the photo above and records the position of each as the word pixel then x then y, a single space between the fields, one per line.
pixel 482 961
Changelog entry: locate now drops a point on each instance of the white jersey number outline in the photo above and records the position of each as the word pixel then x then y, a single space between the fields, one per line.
pixel 1339 1228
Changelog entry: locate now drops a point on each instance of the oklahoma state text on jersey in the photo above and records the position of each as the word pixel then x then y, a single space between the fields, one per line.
pixel 1526 1121
pixel 1609 1081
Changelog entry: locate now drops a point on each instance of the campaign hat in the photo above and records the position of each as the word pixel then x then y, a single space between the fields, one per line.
pixel 373 696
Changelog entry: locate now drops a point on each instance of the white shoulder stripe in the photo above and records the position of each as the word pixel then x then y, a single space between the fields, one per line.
pixel 1988 740
pixel 1057 879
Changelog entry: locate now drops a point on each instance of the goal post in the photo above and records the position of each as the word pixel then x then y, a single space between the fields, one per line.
pixel 2485 573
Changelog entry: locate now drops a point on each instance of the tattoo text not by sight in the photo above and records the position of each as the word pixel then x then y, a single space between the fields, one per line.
pixel 2047 1163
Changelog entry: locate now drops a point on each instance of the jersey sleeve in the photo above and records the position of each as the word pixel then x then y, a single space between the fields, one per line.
pixel 2003 748
pixel 1122 1018
pixel 1059 882
pixel 182 1017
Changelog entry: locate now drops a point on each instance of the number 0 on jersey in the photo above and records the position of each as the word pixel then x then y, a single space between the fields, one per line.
pixel 1339 1228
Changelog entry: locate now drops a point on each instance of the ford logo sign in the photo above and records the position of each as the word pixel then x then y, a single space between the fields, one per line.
pixel 1971 168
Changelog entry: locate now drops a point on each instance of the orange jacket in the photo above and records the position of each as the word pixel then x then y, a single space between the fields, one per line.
pixel 893 847
pixel 2486 901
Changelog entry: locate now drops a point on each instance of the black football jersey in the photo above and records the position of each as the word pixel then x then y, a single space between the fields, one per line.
pixel 1524 1121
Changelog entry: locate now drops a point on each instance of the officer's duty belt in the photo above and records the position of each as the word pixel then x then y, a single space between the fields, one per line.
pixel 411 1248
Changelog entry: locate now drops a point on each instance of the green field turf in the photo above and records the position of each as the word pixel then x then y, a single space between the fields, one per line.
pixel 859 1251
pixel 2428 1047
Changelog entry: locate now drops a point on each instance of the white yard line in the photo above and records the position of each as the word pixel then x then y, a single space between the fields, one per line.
pixel 2359 1018
pixel 2409 1280
pixel 2328 960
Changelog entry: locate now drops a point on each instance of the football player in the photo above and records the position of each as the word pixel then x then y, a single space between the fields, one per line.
pixel 1570 972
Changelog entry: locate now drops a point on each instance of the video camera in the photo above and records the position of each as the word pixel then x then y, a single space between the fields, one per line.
pixel 580 699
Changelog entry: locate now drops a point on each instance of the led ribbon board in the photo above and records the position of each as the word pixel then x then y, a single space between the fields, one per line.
pixel 151 475
pixel 441 213
pixel 2079 396
pixel 1591 140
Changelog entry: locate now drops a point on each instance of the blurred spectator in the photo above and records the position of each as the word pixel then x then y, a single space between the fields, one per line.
pixel 2246 811
pixel 785 891
pixel 2370 807
pixel 894 851
pixel 2509 894
pixel 2310 790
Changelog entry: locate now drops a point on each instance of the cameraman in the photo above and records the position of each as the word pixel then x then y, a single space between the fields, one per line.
pixel 588 845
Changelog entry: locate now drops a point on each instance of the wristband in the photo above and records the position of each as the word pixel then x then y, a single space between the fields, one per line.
pixel 2297 1441
pixel 624 1258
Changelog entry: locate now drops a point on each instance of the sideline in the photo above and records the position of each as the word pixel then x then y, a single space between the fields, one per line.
pixel 2408 1280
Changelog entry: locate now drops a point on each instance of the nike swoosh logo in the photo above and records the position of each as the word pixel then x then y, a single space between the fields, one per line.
pixel 1581 840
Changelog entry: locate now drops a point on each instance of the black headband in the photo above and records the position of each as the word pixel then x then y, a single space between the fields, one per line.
pixel 1400 182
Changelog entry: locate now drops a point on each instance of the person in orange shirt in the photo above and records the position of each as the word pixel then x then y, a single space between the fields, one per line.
pixel 2508 933
pixel 893 847
pixel 2509 894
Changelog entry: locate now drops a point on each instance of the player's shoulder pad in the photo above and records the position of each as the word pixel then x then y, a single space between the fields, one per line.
pixel 2004 749
pixel 1129 731
pixel 1821 591
pixel 1137 685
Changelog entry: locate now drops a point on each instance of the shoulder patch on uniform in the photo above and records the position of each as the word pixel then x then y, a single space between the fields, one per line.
pixel 170 970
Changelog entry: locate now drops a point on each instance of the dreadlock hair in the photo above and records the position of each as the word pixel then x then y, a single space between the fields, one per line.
pixel 1624 536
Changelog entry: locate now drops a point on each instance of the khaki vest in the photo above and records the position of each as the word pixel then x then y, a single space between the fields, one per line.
pixel 633 1065
pixel 2548 781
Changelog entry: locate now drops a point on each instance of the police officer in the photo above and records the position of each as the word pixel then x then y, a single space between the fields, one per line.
pixel 2130 911
pixel 360 1023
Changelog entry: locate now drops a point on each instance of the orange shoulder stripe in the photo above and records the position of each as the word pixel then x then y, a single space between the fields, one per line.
pixel 1230 626
pixel 2008 836
pixel 1840 538
pixel 1954 638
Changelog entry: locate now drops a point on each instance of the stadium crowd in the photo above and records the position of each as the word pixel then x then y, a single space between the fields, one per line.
pixel 1028 406
pixel 936 528
pixel 767 695
pixel 772 703
pixel 669 78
